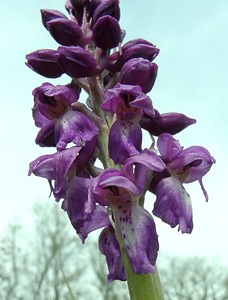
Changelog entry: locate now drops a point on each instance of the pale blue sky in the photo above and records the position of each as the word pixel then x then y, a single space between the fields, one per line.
pixel 193 64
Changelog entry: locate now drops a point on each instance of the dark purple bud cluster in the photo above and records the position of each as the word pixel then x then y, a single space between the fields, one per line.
pixel 99 168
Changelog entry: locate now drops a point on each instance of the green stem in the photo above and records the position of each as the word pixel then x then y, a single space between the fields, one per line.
pixel 103 143
pixel 143 286
pixel 96 96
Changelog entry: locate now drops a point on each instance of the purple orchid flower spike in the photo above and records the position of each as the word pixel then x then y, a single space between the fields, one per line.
pixel 173 204
pixel 108 127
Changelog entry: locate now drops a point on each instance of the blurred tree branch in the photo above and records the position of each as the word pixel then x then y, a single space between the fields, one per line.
pixel 54 265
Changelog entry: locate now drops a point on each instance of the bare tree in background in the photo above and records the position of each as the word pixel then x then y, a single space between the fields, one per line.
pixel 58 258
pixel 11 267
pixel 54 265
pixel 116 290
pixel 193 279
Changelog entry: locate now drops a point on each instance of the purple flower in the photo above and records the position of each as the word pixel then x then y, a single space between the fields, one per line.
pixel 189 164
pixel 127 99
pixel 173 204
pixel 137 228
pixel 45 62
pixel 165 123
pixel 129 103
pixel 54 168
pixel 59 123
pixel 60 168
pixel 139 71
pixel 52 101
pixel 192 163
pixel 119 189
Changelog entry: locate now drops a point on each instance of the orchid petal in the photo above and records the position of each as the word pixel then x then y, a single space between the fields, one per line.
pixel 139 235
pixel 125 140
pixel 173 204
pixel 136 167
pixel 97 220
pixel 78 205
pixel 109 246
pixel 43 167
pixel 168 146
pixel 192 163
pixel 74 127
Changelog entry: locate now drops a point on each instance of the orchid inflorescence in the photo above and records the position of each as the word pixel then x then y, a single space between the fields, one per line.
pixel 108 128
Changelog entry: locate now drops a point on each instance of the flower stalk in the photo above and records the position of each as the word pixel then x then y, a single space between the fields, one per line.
pixel 143 286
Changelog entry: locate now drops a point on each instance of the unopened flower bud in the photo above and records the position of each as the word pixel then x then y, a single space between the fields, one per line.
pixel 77 62
pixel 139 71
pixel 107 33
pixel 165 123
pixel 107 7
pixel 49 15
pixel 76 9
pixel 91 7
pixel 65 32
pixel 133 49
pixel 45 63
pixel 78 4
